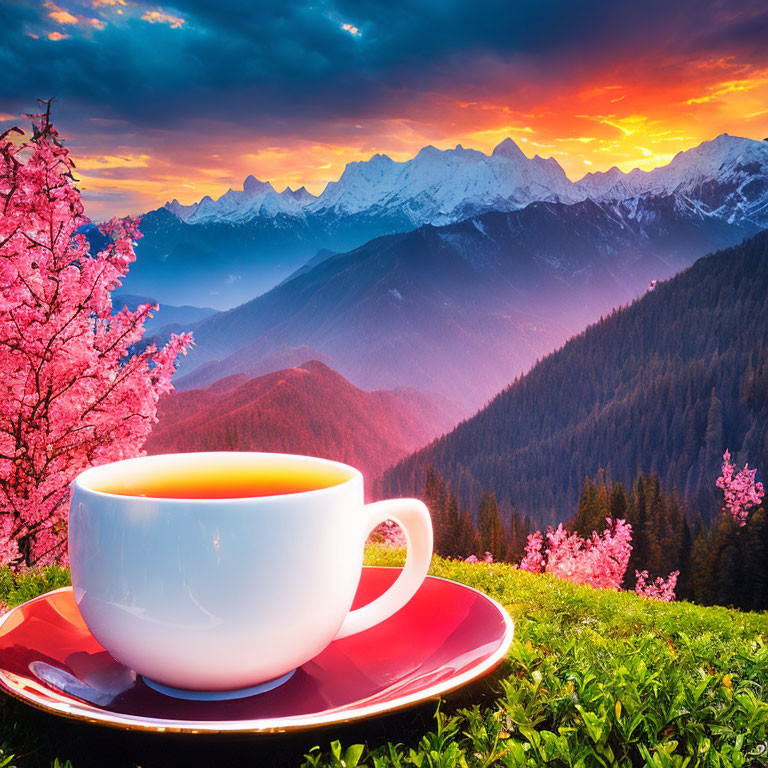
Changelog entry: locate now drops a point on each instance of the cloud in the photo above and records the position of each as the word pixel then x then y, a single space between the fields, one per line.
pixel 104 162
pixel 59 14
pixel 726 87
pixel 163 17
pixel 326 81
pixel 273 62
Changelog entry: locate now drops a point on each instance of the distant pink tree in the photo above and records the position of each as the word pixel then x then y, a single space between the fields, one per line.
pixel 600 560
pixel 533 560
pixel 740 490
pixel 487 558
pixel 661 589
pixel 72 393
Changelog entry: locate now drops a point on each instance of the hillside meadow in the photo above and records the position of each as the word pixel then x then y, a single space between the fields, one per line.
pixel 593 678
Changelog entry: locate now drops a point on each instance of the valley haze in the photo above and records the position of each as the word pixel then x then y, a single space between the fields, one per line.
pixel 452 272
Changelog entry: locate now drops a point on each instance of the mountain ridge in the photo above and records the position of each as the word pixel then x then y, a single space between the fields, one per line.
pixel 305 409
pixel 224 252
pixel 443 186
pixel 461 309
pixel 664 385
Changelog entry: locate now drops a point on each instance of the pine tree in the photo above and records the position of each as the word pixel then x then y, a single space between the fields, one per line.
pixel 518 537
pixel 684 580
pixel 468 538
pixel 491 531
pixel 434 497
pixel 754 553
pixel 452 528
pixel 636 516
pixel 594 507
pixel 618 502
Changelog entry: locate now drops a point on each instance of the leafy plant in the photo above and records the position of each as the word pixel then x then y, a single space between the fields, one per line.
pixel 595 678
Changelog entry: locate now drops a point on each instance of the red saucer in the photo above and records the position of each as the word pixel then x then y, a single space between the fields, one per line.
pixel 446 636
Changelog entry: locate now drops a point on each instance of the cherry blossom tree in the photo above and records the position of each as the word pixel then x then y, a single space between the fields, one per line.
pixel 600 560
pixel 740 490
pixel 74 394
pixel 661 589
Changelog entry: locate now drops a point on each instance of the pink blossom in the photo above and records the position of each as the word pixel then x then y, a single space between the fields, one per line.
pixel 660 589
pixel 600 561
pixel 73 393
pixel 390 534
pixel 740 490
pixel 487 558
pixel 533 560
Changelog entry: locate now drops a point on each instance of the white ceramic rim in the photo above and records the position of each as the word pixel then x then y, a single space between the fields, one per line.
pixel 353 474
pixel 91 714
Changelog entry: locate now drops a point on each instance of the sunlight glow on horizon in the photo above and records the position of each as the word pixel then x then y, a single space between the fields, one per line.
pixel 588 130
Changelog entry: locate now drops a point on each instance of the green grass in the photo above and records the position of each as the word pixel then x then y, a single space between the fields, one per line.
pixel 594 678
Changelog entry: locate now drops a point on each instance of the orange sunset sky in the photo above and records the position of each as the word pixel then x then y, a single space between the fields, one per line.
pixel 349 86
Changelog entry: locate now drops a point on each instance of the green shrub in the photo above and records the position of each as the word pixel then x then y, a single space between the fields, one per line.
pixel 593 679
pixel 20 587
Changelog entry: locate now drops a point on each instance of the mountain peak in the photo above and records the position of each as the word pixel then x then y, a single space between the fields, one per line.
pixel 253 186
pixel 429 151
pixel 508 148
pixel 301 194
pixel 388 425
pixel 181 210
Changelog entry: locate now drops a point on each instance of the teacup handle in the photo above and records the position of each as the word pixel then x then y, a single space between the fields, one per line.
pixel 413 517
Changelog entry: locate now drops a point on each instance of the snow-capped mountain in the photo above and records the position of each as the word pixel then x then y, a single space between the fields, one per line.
pixel 435 187
pixel 223 252
pixel 256 199
pixel 726 177
pixel 183 211
pixel 302 194
pixel 442 186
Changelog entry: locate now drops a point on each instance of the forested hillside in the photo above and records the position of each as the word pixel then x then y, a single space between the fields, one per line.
pixel 664 386
pixel 307 409
pixel 462 309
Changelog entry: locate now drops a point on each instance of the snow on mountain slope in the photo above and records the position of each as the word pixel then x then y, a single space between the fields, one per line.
pixel 301 194
pixel 257 198
pixel 440 187
pixel 726 177
pixel 435 187
pixel 182 211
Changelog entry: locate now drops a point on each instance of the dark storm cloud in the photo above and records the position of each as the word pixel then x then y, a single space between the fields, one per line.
pixel 265 63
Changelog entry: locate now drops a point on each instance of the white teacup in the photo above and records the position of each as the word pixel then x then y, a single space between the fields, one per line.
pixel 225 597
